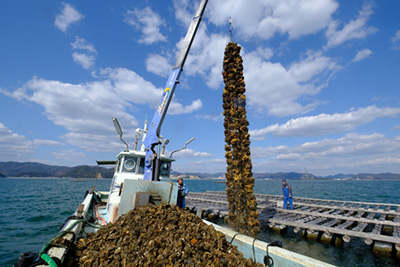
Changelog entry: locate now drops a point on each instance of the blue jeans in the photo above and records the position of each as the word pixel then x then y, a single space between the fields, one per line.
pixel 285 200
pixel 181 201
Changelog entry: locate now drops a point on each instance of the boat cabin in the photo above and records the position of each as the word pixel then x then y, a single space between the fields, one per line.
pixel 130 165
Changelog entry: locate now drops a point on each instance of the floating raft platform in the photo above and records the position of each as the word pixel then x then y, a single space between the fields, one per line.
pixel 377 223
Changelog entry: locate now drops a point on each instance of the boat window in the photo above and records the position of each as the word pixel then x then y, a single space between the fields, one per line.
pixel 129 164
pixel 141 165
pixel 118 165
pixel 165 168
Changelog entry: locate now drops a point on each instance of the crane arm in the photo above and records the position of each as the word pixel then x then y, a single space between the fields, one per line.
pixel 153 135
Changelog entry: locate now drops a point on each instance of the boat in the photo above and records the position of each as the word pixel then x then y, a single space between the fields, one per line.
pixel 142 176
pixel 127 191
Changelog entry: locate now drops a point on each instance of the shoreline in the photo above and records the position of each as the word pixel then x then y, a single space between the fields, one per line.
pixel 213 179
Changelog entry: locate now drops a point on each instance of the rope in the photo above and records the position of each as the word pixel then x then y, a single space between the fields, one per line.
pixel 254 252
pixel 234 237
pixel 46 257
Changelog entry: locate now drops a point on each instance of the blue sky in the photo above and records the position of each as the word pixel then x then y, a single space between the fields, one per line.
pixel 322 80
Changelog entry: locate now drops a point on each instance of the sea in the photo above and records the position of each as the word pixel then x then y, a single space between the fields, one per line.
pixel 33 209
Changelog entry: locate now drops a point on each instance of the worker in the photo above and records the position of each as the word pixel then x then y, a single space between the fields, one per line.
pixel 182 192
pixel 287 195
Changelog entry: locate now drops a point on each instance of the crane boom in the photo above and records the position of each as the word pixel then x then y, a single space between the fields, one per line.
pixel 153 135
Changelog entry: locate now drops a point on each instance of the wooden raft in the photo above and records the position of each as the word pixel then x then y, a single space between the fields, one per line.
pixel 370 221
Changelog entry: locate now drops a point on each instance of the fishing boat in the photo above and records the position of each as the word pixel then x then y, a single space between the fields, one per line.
pixel 127 191
pixel 142 176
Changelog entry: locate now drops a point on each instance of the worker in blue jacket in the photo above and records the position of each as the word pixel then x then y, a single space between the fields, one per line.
pixel 287 195
pixel 182 192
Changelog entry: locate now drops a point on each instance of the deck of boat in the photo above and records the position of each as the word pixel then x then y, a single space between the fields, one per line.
pixel 374 222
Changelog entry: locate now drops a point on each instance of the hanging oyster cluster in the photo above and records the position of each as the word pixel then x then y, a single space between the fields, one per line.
pixel 162 235
pixel 243 212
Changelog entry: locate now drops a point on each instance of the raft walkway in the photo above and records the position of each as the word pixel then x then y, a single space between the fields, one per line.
pixel 373 222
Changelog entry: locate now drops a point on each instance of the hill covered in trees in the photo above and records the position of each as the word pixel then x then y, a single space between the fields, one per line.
pixel 32 169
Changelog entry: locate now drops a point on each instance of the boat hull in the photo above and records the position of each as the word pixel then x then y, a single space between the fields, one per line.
pixel 91 215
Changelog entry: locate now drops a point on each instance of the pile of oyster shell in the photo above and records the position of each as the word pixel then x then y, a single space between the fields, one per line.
pixel 243 214
pixel 162 235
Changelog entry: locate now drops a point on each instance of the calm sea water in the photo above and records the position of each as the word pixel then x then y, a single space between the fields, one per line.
pixel 34 209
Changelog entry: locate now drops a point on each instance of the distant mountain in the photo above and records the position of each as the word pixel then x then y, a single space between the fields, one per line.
pixel 12 168
pixel 338 176
pixel 297 176
pixel 199 175
pixel 32 169
pixel 365 176
pixel 380 176
pixel 279 175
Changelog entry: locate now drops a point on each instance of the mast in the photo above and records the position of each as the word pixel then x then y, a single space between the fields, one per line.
pixel 153 135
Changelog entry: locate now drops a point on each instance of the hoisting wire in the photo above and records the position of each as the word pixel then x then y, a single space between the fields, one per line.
pixel 230 29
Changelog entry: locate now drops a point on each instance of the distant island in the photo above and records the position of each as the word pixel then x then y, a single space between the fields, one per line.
pixel 32 169
pixel 294 176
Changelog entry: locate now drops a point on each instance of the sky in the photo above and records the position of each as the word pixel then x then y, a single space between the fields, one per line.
pixel 322 81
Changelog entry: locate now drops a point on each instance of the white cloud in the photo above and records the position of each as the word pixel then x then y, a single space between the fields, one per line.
pixel 184 12
pixel 177 108
pixel 148 22
pixel 272 87
pixel 396 40
pixel 86 61
pixel 368 153
pixel 325 123
pixel 355 29
pixel 158 65
pixel 133 87
pixel 264 19
pixel 42 142
pixel 82 44
pixel 362 54
pixel 265 53
pixel 14 147
pixel 86 109
pixel 206 53
pixel 288 156
pixel 202 166
pixel 99 142
pixel 211 117
pixel 373 153
pixel 190 153
pixel 206 57
pixel 311 66
pixel 87 53
pixel 265 152
pixel 68 16
pixel 70 156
